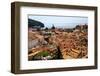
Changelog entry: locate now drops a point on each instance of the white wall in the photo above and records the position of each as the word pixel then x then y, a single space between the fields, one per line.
pixel 5 30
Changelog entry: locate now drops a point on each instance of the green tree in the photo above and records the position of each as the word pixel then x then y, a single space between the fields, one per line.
pixel 53 27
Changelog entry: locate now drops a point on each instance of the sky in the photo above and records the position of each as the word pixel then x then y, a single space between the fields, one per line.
pixel 60 21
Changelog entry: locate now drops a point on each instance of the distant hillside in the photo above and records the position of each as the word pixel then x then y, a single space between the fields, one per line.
pixel 35 24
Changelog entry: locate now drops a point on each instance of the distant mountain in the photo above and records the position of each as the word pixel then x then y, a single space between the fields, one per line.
pixel 35 24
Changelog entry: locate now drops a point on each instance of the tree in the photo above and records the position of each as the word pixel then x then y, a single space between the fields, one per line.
pixel 85 26
pixel 46 28
pixel 53 27
pixel 77 26
pixel 35 24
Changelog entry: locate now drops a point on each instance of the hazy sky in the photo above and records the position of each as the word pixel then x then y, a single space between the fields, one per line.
pixel 60 21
